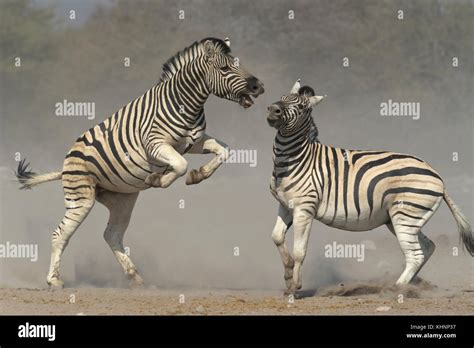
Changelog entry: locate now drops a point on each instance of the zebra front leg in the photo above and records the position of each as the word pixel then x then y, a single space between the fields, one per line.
pixel 178 166
pixel 120 207
pixel 207 144
pixel 302 222
pixel 284 221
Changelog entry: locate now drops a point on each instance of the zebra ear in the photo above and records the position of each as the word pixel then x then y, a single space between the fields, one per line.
pixel 296 87
pixel 227 41
pixel 315 100
pixel 209 50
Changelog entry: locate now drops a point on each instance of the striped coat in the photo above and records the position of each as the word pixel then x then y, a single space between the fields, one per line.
pixel 349 189
pixel 142 146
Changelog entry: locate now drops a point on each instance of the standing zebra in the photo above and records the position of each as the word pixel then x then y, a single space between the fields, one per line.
pixel 348 189
pixel 142 145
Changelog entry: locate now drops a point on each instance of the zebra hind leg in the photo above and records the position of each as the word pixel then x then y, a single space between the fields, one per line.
pixel 416 247
pixel 78 201
pixel 120 206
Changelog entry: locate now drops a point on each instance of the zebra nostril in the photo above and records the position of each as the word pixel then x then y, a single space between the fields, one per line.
pixel 254 86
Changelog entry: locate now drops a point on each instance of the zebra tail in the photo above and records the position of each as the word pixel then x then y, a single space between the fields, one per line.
pixel 465 229
pixel 28 179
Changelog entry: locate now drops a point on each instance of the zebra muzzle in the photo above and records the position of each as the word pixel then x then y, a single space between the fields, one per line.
pixel 274 115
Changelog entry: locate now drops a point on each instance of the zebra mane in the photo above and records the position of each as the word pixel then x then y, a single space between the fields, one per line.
pixel 175 63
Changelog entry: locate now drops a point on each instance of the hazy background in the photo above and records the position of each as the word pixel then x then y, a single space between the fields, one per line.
pixel 83 60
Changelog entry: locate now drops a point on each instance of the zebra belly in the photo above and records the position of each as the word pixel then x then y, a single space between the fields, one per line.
pixel 129 176
pixel 129 179
pixel 111 167
pixel 354 223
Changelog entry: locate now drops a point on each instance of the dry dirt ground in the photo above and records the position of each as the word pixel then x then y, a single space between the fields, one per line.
pixel 352 299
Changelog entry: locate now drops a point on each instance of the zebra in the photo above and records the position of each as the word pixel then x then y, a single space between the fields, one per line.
pixel 350 190
pixel 142 146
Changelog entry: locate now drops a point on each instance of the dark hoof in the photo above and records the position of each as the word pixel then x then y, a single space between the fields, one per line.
pixel 194 177
pixel 154 180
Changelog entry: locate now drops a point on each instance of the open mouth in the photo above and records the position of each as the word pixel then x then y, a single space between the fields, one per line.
pixel 245 101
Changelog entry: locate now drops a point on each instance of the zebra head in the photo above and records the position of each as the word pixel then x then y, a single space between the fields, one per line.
pixel 293 110
pixel 225 76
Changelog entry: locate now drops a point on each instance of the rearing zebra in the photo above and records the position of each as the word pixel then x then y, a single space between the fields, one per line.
pixel 141 145
pixel 348 189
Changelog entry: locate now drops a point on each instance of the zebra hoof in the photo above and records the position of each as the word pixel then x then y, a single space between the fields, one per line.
pixel 194 177
pixel 154 180
pixel 136 282
pixel 293 293
pixel 55 284
pixel 136 285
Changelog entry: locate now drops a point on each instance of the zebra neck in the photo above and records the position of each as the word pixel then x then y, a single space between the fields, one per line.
pixel 290 141
pixel 290 149
pixel 186 93
pixel 313 131
pixel 307 129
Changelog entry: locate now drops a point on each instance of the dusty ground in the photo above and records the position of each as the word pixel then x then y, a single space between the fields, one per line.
pixel 346 299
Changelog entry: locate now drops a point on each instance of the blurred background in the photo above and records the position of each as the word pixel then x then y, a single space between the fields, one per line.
pixel 82 59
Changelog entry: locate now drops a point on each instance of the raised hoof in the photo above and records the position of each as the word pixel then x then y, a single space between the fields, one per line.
pixel 154 180
pixel 194 177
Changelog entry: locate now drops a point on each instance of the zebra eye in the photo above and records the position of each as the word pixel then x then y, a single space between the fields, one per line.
pixel 300 106
pixel 226 68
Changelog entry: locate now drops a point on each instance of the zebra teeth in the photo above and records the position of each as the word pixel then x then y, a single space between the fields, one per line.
pixel 246 101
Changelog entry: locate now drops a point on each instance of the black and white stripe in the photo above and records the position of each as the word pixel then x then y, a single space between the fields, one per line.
pixel 141 145
pixel 349 189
